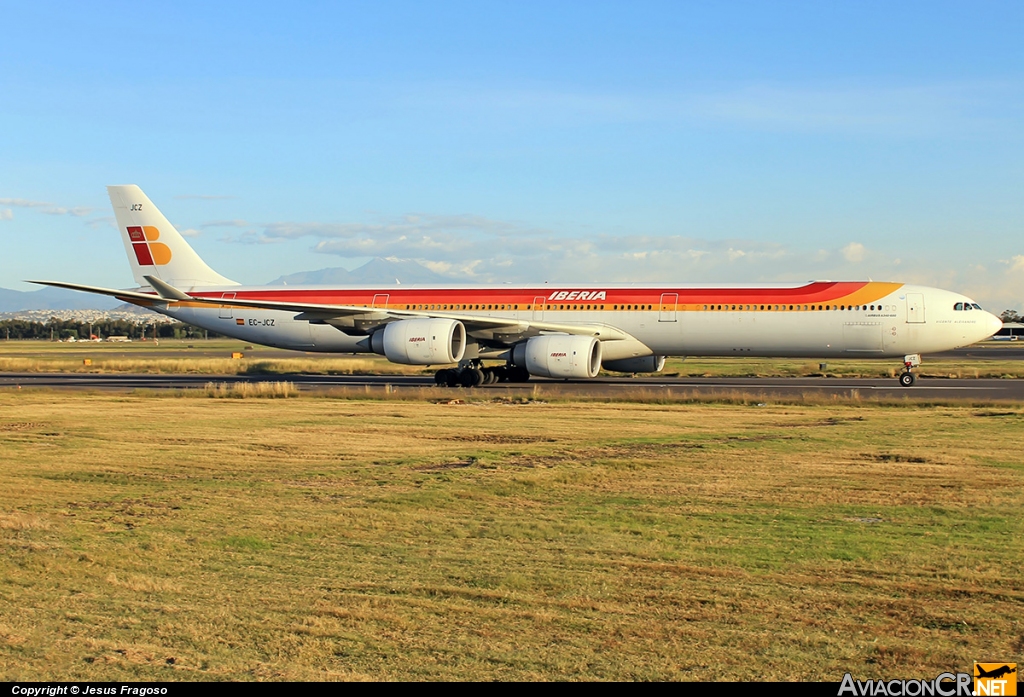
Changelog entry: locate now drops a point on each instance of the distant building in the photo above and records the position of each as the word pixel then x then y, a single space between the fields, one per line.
pixel 1011 331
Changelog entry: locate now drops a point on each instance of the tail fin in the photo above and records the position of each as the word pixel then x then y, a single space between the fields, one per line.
pixel 154 247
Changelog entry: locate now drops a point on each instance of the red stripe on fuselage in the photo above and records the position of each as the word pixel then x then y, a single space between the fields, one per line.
pixel 823 292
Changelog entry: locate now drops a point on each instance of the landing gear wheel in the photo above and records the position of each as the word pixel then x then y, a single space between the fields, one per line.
pixel 490 377
pixel 517 374
pixel 471 377
pixel 907 379
pixel 441 378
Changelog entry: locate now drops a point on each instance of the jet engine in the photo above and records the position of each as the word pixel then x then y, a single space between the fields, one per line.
pixel 642 364
pixel 421 341
pixel 559 356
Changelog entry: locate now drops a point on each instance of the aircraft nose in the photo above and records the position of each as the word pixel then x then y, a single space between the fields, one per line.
pixel 993 325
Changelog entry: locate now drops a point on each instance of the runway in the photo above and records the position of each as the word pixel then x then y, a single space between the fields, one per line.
pixel 926 389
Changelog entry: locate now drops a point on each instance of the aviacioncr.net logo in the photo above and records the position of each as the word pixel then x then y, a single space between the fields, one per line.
pixel 996 679
pixel 944 685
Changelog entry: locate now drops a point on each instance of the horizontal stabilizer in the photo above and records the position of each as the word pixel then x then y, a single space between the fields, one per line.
pixel 166 290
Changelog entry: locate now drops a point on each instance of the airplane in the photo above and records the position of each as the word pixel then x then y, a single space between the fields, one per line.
pixel 999 672
pixel 515 332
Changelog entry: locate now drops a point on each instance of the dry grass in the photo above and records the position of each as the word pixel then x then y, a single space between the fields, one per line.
pixel 210 366
pixel 247 390
pixel 159 538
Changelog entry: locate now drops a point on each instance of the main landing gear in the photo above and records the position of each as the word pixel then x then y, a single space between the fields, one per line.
pixel 475 375
pixel 910 362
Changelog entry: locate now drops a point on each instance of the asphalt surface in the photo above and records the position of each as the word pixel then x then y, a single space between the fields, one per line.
pixel 926 389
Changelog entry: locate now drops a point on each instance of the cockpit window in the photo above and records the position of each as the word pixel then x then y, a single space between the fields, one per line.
pixel 967 306
pixel 958 306
pixel 976 306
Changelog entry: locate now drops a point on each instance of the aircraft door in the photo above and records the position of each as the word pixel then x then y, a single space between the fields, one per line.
pixel 669 302
pixel 915 308
pixel 225 310
pixel 380 300
pixel 538 308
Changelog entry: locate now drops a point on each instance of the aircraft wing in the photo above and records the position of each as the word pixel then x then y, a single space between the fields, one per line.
pixel 474 323
pixel 126 295
pixel 497 328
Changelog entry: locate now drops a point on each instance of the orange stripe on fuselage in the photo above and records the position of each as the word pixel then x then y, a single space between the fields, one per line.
pixel 845 292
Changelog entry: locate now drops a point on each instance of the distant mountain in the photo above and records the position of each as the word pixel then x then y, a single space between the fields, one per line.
pixel 377 271
pixel 324 277
pixel 53 299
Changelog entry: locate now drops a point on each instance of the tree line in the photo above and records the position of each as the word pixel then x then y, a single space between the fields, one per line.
pixel 75 329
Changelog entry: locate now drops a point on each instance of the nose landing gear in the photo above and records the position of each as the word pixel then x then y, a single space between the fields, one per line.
pixel 910 362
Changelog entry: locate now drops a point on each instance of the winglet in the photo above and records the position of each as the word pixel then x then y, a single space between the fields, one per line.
pixel 166 290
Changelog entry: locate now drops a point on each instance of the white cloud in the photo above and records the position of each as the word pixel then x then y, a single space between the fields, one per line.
pixel 467 247
pixel 854 252
pixel 78 211
pixel 46 207
pixel 996 288
pixel 189 232
pixel 24 203
pixel 105 221
pixel 226 223
pixel 6 214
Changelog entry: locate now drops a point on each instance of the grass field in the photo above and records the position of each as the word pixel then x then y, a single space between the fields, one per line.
pixel 170 537
pixel 214 358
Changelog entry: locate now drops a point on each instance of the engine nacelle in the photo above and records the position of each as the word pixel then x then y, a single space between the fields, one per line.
pixel 642 364
pixel 559 356
pixel 421 341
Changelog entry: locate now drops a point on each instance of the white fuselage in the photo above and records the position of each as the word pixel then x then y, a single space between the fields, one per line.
pixel 909 320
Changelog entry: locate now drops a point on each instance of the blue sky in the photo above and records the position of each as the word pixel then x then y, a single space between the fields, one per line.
pixel 688 142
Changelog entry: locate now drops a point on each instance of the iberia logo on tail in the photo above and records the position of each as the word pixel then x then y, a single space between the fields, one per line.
pixel 148 251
